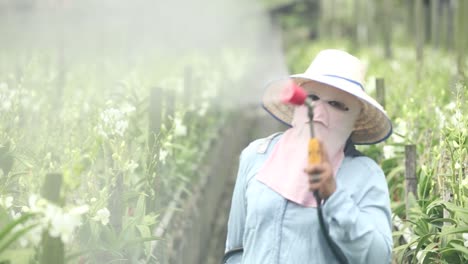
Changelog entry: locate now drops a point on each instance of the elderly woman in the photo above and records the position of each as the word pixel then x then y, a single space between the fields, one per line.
pixel 274 217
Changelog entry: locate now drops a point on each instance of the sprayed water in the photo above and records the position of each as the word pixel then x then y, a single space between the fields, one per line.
pixel 130 33
pixel 62 61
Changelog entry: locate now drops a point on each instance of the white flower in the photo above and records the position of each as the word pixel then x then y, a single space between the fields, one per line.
pixel 62 224
pixel 35 204
pixel 114 121
pixel 180 129
pixel 465 237
pixel 419 255
pixel 451 106
pixel 33 236
pixel 120 127
pixel 102 215
pixel 162 155
pixel 7 97
pixel 6 202
pixel 131 166
pixel 441 117
pixel 465 181
pixel 456 118
pixel 15 215
pixel 79 210
pixel 56 220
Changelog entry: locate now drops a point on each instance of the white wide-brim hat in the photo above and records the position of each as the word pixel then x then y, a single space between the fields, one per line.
pixel 345 72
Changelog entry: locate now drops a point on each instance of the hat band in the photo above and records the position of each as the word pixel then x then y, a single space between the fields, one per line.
pixel 346 79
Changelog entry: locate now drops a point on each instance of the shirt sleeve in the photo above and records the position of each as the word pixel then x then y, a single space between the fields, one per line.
pixel 237 214
pixel 360 222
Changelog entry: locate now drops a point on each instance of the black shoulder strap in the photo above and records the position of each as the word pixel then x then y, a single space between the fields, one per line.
pixel 350 149
pixel 231 252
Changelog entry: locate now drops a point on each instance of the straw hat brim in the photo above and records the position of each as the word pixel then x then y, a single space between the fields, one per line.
pixel 371 127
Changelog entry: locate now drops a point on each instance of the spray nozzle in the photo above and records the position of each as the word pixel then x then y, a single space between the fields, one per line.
pixel 293 94
pixel 296 95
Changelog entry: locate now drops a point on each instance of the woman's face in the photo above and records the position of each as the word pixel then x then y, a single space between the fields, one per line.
pixel 335 111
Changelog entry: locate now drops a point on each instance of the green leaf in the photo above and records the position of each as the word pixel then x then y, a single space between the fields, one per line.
pixel 443 220
pixel 142 240
pixel 17 255
pixel 9 227
pixel 405 249
pixel 422 242
pixel 460 249
pixel 454 230
pixel 14 237
pixel 140 209
pixel 145 232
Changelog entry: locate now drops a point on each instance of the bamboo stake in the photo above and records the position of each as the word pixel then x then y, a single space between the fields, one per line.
pixel 116 203
pixel 410 175
pixel 170 99
pixel 154 129
pixel 154 115
pixel 435 22
pixel 52 247
pixel 419 29
pixel 189 99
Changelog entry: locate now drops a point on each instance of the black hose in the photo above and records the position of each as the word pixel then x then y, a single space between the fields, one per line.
pixel 333 246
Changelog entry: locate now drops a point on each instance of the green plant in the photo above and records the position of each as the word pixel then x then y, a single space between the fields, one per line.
pixel 14 229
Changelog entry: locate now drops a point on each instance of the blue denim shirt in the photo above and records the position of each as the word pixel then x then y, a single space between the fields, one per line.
pixel 273 230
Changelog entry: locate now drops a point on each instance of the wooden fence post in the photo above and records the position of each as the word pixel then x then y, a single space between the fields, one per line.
pixel 170 99
pixel 116 203
pixel 154 128
pixel 380 89
pixel 419 29
pixel 60 21
pixel 410 174
pixel 154 115
pixel 189 100
pixel 461 38
pixel 435 22
pixel 52 247
pixel 188 86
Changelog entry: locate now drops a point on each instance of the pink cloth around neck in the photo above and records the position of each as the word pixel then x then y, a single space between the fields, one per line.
pixel 283 171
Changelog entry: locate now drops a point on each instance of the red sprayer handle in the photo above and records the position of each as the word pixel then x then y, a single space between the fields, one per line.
pixel 296 95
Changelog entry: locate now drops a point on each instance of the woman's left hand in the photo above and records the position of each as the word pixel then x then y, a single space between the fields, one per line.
pixel 321 176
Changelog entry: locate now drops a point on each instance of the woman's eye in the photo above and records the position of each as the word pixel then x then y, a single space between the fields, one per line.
pixel 313 97
pixel 338 105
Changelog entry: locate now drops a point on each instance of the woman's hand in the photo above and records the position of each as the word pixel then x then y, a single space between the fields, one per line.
pixel 321 176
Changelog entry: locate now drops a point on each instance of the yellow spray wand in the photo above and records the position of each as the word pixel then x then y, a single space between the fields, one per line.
pixel 294 94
